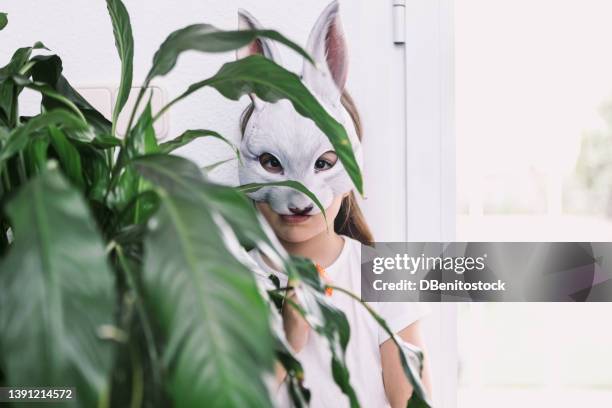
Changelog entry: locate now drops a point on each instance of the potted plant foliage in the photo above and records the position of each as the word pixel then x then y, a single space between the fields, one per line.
pixel 121 270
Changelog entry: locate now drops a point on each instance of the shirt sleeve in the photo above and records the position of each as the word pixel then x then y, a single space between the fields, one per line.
pixel 399 315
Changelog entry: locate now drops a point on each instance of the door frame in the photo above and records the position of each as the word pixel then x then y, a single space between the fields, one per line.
pixel 431 165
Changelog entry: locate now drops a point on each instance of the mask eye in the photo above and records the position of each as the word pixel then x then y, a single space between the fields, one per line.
pixel 326 161
pixel 270 163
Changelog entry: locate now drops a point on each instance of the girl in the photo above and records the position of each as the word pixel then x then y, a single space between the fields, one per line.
pixel 279 144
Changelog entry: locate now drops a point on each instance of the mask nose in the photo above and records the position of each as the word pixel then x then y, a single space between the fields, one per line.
pixel 301 211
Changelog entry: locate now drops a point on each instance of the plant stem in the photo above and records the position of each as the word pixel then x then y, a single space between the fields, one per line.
pixel 283 289
pixel 115 172
pixel 352 295
pixel 133 114
pixel 137 380
pixel 148 331
pixel 120 158
pixel 15 108
pixel 26 68
pixel 119 164
pixel 297 307
pixel 5 178
pixel 23 177
pixel 128 207
pixel 188 92
pixel 164 109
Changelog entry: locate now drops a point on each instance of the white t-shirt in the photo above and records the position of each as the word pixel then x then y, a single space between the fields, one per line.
pixel 363 352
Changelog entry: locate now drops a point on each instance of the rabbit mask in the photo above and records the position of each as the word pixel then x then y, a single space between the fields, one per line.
pixel 279 144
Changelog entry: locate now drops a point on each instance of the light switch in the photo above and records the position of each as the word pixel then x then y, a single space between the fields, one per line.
pixel 158 101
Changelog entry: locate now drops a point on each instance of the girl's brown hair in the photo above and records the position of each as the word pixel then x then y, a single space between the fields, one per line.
pixel 350 220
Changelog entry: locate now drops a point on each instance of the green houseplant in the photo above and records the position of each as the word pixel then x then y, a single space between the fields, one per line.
pixel 121 269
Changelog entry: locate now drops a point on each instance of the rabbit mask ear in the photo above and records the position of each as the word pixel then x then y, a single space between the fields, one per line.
pixel 329 49
pixel 261 46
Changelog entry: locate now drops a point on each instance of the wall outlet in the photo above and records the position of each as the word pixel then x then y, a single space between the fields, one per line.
pixel 158 101
pixel 100 98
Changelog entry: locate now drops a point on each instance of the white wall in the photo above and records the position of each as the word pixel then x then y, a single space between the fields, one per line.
pixel 80 32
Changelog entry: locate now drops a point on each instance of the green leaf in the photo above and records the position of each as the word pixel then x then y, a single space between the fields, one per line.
pixel 48 69
pixel 47 91
pixel 3 20
pixel 191 135
pixel 171 172
pixel 410 356
pixel 207 38
pixel 300 395
pixel 271 82
pixel 204 38
pixel 19 137
pixel 198 289
pixel 57 293
pixel 140 141
pixel 327 320
pixel 19 60
pixel 96 172
pixel 9 92
pixel 296 185
pixel 68 156
pixel 36 154
pixel 212 167
pixel 4 119
pixel 124 42
pixel 105 141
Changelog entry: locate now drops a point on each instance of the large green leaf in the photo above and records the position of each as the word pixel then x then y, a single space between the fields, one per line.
pixel 410 356
pixel 239 212
pixel 48 92
pixel 19 137
pixel 271 82
pixel 68 155
pixel 327 320
pixel 207 38
pixel 48 69
pixel 124 42
pixel 204 38
pixel 57 293
pixel 218 343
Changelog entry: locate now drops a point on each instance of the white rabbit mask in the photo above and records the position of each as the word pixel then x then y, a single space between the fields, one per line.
pixel 289 145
